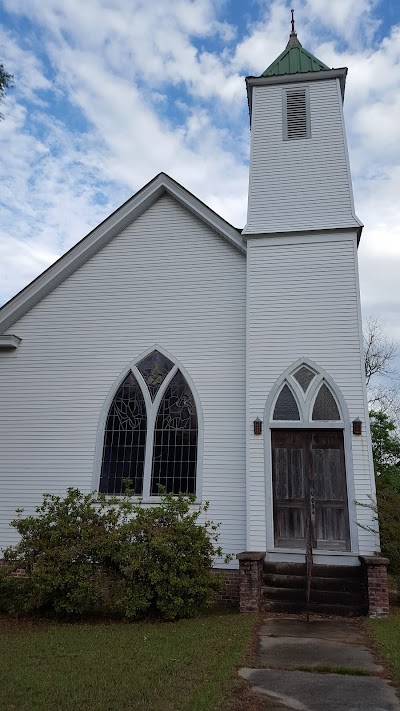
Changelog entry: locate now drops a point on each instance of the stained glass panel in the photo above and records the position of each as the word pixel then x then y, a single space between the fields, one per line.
pixel 124 440
pixel 304 377
pixel 175 440
pixel 286 406
pixel 154 368
pixel 325 407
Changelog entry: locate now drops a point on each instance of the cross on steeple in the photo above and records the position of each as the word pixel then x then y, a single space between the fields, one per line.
pixel 292 11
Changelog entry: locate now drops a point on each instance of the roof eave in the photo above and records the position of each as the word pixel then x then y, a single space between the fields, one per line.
pixel 22 302
pixel 322 75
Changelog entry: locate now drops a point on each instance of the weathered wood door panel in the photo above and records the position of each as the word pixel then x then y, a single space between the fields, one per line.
pixel 310 464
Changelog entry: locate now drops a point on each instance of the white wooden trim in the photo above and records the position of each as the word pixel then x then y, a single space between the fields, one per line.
pixel 300 425
pixel 346 150
pixel 366 423
pixel 151 410
pixel 249 424
pixel 251 82
pixel 286 555
pixel 337 234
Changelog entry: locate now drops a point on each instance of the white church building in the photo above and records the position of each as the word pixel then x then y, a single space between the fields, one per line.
pixel 168 347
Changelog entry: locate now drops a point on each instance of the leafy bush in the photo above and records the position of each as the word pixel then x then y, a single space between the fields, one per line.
pixel 388 495
pixel 386 454
pixel 85 554
pixel 387 512
pixel 385 448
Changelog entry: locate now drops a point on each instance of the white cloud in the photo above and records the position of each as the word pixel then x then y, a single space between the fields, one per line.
pixel 25 67
pixel 352 20
pixel 115 62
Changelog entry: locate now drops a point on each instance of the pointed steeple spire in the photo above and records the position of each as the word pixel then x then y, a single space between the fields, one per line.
pixel 293 41
pixel 294 58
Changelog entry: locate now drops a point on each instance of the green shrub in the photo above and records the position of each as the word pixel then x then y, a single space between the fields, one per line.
pixel 386 454
pixel 387 513
pixel 85 554
pixel 388 495
pixel 166 556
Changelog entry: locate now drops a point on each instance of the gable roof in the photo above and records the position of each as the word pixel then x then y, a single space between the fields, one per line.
pixel 294 60
pixel 161 185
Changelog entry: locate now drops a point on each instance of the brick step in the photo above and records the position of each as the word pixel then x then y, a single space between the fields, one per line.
pixel 328 597
pixel 318 583
pixel 318 571
pixel 316 608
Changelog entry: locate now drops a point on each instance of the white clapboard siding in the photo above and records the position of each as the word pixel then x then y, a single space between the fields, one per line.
pixel 167 279
pixel 303 301
pixel 299 184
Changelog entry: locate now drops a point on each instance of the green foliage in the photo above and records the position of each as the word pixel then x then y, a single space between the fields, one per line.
pixel 388 496
pixel 386 453
pixel 6 82
pixel 385 447
pixel 85 554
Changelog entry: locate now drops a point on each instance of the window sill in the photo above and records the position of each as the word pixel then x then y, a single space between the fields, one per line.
pixel 316 551
pixel 147 502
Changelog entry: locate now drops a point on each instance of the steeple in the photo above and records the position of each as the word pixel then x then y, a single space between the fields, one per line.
pixel 299 174
pixel 294 58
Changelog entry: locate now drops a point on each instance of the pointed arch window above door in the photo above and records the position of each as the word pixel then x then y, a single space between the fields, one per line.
pixel 286 406
pixel 151 441
pixel 325 406
pixel 304 376
pixel 305 394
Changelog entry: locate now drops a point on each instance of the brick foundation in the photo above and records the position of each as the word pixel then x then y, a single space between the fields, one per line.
pixel 230 589
pixel 250 576
pixel 376 583
pixel 19 573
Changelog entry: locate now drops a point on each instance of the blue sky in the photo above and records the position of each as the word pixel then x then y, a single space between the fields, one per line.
pixel 110 92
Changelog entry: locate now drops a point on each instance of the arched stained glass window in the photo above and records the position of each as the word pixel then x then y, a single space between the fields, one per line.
pixel 325 406
pixel 125 440
pixel 175 440
pixel 154 368
pixel 286 406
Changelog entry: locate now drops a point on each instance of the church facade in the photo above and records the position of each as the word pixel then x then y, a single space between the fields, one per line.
pixel 168 347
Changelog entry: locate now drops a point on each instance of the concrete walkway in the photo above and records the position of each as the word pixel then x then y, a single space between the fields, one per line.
pixel 290 653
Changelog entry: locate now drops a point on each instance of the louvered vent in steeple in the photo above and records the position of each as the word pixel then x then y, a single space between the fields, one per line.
pixel 296 118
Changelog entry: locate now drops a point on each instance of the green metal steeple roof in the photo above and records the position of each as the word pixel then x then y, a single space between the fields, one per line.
pixel 294 59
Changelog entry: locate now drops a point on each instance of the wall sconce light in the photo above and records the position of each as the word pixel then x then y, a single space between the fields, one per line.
pixel 357 426
pixel 257 426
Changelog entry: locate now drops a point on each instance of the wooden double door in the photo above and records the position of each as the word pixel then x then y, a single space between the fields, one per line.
pixel 309 484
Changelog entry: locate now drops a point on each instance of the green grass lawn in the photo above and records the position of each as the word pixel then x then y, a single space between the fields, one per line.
pixel 386 634
pixel 182 666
